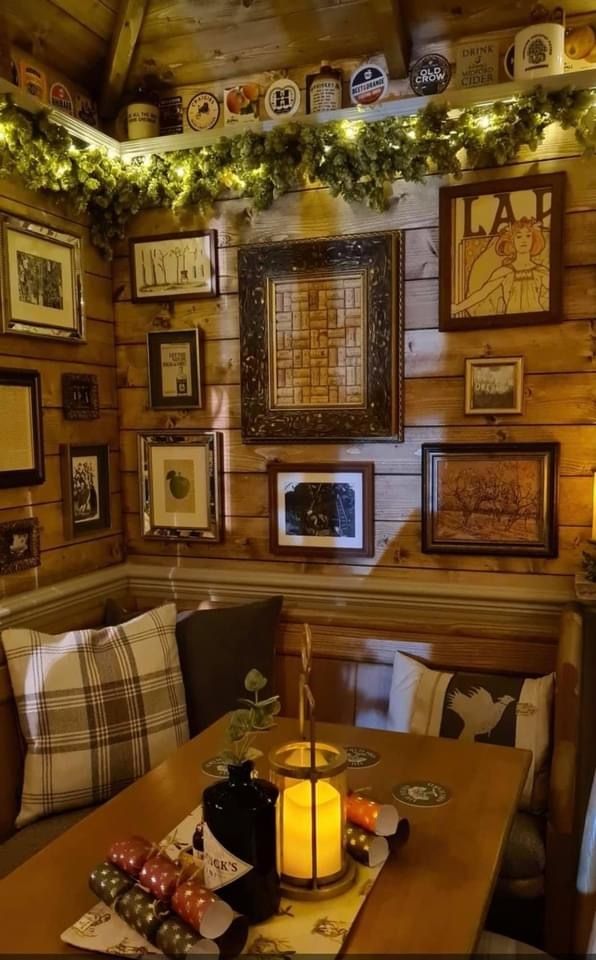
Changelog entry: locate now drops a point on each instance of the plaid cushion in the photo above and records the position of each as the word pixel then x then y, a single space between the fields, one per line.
pixel 97 708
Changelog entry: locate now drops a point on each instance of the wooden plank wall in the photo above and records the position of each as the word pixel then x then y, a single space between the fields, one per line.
pixel 560 387
pixel 60 557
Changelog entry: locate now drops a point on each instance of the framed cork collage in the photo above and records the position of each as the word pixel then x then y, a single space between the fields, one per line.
pixel 321 339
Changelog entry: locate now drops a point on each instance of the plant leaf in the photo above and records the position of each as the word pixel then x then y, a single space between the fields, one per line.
pixel 254 681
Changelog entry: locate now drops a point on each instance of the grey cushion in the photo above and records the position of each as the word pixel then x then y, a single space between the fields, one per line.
pixel 24 843
pixel 525 854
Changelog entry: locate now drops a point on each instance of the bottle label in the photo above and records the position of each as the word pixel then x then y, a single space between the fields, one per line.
pixel 221 866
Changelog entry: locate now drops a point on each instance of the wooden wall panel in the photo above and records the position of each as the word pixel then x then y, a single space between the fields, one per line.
pixel 61 557
pixel 560 386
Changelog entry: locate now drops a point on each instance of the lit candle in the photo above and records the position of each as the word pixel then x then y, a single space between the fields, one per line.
pixel 296 841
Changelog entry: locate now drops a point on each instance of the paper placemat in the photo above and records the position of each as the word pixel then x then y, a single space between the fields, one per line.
pixel 300 927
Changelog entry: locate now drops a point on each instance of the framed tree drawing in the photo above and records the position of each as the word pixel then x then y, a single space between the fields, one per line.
pixel 21 438
pixel 180 485
pixel 85 488
pixel 496 499
pixel 42 281
pixel 501 253
pixel 174 266
pixel 322 510
pixel 321 339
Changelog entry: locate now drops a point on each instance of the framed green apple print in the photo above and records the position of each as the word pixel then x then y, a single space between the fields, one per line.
pixel 180 485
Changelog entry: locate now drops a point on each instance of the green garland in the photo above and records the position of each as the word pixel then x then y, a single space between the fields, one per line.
pixel 357 161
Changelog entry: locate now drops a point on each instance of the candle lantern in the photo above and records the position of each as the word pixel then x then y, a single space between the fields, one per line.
pixel 311 819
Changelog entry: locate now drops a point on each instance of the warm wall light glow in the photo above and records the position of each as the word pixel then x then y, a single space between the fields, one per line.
pixel 485 122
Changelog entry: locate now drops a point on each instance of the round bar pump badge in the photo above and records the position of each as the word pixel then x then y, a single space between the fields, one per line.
pixel 282 99
pixel 202 111
pixel 368 84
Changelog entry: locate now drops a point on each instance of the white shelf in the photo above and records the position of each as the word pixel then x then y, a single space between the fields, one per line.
pixel 456 99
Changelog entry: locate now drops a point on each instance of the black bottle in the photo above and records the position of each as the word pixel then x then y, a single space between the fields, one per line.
pixel 239 839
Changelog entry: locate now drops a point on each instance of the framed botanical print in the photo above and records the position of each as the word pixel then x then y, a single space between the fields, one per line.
pixel 85 488
pixel 494 385
pixel 21 438
pixel 322 510
pixel 501 253
pixel 321 339
pixel 19 545
pixel 174 266
pixel 80 396
pixel 495 499
pixel 180 485
pixel 174 369
pixel 42 281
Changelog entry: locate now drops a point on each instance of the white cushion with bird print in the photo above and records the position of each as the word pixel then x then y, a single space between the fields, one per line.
pixel 510 711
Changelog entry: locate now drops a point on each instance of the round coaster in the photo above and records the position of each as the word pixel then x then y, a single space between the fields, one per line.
pixel 359 757
pixel 216 767
pixel 422 793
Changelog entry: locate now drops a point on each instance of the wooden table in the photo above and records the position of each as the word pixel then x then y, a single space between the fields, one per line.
pixel 431 897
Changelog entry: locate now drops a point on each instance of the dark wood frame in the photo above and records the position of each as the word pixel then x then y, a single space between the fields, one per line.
pixel 164 298
pixel 556 183
pixel 35 474
pixel 380 255
pixel 74 409
pixel 209 438
pixel 73 528
pixel 550 454
pixel 31 524
pixel 156 399
pixel 470 363
pixel 367 472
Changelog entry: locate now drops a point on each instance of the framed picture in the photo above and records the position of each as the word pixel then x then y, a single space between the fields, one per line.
pixel 19 545
pixel 498 499
pixel 321 339
pixel 42 281
pixel 322 510
pixel 180 485
pixel 501 253
pixel 175 266
pixel 80 396
pixel 85 488
pixel 174 369
pixel 494 385
pixel 21 444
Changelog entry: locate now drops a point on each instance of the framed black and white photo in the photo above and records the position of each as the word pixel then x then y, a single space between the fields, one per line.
pixel 42 281
pixel 85 488
pixel 21 439
pixel 19 545
pixel 494 385
pixel 174 266
pixel 180 485
pixel 80 396
pixel 322 510
pixel 174 369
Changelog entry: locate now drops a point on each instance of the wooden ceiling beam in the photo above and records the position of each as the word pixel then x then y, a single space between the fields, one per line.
pixel 395 37
pixel 122 45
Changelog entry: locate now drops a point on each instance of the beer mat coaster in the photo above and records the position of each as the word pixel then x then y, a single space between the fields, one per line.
pixel 360 757
pixel 299 927
pixel 422 793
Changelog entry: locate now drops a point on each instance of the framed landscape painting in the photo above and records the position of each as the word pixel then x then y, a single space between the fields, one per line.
pixel 322 510
pixel 85 488
pixel 180 485
pixel 321 354
pixel 494 385
pixel 175 266
pixel 496 499
pixel 501 253
pixel 42 282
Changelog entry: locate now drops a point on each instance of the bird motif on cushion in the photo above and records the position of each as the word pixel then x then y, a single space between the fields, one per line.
pixel 479 712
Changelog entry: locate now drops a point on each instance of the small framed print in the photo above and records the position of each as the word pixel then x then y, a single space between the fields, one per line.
pixel 174 369
pixel 42 281
pixel 322 510
pixel 19 545
pixel 175 266
pixel 494 385
pixel 501 253
pixel 80 396
pixel 21 439
pixel 180 485
pixel 85 488
pixel 495 499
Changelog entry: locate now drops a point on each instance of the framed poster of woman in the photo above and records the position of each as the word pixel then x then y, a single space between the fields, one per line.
pixel 501 253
